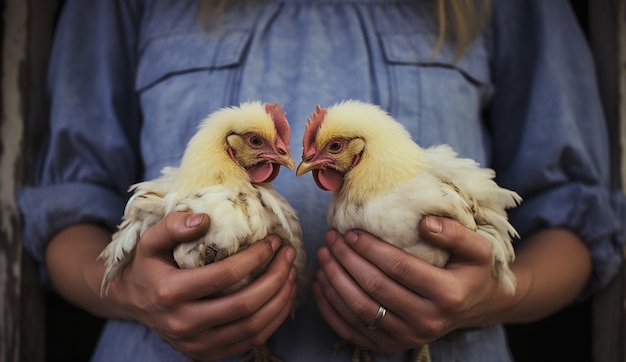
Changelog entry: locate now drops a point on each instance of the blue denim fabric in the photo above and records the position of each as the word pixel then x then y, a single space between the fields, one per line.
pixel 130 80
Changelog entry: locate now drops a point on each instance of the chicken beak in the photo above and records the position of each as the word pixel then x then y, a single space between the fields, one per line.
pixel 305 167
pixel 287 161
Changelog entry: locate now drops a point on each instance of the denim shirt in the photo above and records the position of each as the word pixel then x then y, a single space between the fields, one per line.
pixel 130 80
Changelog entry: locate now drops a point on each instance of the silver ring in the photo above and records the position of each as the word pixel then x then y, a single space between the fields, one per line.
pixel 378 319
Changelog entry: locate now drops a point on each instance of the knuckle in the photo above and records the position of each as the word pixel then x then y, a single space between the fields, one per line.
pixel 456 230
pixel 246 306
pixel 455 300
pixel 176 328
pixel 360 308
pixel 253 327
pixel 374 286
pixel 164 297
pixel 170 221
pixel 229 272
pixel 151 233
pixel 431 329
pixel 399 267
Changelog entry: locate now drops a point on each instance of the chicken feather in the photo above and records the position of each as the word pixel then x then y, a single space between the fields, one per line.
pixel 225 172
pixel 384 183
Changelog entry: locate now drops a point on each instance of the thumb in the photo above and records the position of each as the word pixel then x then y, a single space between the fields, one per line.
pixel 173 229
pixel 461 242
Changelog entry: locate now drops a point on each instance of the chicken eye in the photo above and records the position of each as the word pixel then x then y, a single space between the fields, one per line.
pixel 255 141
pixel 335 146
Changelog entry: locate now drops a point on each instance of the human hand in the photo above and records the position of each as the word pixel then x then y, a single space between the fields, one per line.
pixel 360 272
pixel 177 304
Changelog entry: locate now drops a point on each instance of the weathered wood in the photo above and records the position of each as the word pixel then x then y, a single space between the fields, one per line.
pixel 608 41
pixel 621 49
pixel 11 130
pixel 26 37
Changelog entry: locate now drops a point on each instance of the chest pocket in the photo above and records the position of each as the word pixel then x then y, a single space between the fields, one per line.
pixel 437 90
pixel 180 80
pixel 186 53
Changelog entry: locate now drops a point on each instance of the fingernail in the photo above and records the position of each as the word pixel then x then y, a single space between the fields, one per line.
pixel 323 255
pixel 331 236
pixel 194 220
pixel 351 236
pixel 292 274
pixel 434 225
pixel 290 255
pixel 275 242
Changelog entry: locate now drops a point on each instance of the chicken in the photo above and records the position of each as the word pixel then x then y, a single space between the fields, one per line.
pixel 383 183
pixel 225 172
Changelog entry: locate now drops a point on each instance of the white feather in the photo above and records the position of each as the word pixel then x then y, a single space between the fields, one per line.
pixel 396 184
pixel 240 212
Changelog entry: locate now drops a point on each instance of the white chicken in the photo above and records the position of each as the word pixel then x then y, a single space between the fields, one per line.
pixel 383 183
pixel 226 173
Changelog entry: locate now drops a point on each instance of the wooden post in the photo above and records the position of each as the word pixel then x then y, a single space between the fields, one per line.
pixel 26 36
pixel 11 130
pixel 608 41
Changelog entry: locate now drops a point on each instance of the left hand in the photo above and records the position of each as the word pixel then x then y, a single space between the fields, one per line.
pixel 360 272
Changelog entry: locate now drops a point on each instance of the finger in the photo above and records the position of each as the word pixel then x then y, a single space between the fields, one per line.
pixel 251 298
pixel 173 229
pixel 257 339
pixel 335 319
pixel 360 302
pixel 196 283
pixel 350 327
pixel 462 243
pixel 258 327
pixel 385 272
pixel 358 306
pixel 244 334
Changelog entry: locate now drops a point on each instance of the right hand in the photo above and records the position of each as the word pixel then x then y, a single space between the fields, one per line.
pixel 360 272
pixel 175 302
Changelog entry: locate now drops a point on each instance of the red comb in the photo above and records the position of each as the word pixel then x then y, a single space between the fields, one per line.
pixel 315 121
pixel 280 121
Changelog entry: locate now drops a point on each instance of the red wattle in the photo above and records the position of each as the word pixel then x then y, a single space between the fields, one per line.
pixel 328 179
pixel 263 172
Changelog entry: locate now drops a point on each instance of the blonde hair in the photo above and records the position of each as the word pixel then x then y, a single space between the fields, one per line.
pixel 460 21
